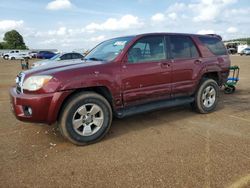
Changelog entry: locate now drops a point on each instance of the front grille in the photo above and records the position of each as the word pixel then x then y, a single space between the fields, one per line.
pixel 19 82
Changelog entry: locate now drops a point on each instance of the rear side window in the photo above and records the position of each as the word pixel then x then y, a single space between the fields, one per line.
pixel 148 49
pixel 182 47
pixel 215 45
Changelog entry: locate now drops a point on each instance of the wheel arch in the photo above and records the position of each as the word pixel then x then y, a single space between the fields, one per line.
pixel 101 90
pixel 207 75
pixel 212 75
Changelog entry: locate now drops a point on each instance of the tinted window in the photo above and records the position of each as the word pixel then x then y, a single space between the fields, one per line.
pixel 182 47
pixel 76 56
pixel 147 49
pixel 66 57
pixel 215 45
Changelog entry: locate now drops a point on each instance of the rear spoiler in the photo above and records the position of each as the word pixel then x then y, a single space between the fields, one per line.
pixel 214 35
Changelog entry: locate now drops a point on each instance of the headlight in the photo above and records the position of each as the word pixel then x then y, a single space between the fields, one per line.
pixel 34 83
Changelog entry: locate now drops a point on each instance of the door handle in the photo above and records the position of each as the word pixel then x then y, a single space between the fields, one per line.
pixel 165 65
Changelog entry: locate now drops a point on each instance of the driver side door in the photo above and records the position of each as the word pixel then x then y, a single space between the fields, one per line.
pixel 146 72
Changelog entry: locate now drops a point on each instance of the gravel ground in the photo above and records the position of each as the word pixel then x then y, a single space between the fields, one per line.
pixel 168 148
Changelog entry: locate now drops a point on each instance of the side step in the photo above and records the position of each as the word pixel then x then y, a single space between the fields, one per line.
pixel 129 111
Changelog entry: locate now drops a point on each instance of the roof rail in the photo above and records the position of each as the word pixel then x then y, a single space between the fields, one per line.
pixel 215 35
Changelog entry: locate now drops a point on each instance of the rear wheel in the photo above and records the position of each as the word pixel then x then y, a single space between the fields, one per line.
pixel 12 58
pixel 206 97
pixel 86 118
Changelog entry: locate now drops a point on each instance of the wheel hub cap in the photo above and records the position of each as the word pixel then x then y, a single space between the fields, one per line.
pixel 88 119
pixel 208 96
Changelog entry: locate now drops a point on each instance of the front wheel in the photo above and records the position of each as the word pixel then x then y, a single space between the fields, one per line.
pixel 206 97
pixel 86 118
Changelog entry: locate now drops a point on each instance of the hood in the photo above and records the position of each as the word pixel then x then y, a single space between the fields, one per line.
pixel 48 64
pixel 59 67
pixel 42 62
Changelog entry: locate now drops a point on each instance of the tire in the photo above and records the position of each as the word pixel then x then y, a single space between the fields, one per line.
pixel 92 115
pixel 12 58
pixel 206 97
pixel 6 57
pixel 229 89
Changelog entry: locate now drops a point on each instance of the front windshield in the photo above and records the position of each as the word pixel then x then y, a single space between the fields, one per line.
pixel 55 57
pixel 108 50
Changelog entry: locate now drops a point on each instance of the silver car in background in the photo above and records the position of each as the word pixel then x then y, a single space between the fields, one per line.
pixel 59 58
pixel 246 51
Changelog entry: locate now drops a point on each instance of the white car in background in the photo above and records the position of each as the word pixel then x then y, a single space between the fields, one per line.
pixel 16 54
pixel 246 51
pixel 60 58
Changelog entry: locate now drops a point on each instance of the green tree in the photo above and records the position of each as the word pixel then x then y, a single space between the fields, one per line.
pixel 248 41
pixel 13 40
pixel 1 45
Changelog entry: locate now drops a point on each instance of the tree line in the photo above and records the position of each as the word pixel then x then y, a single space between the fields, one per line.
pixel 246 40
pixel 13 40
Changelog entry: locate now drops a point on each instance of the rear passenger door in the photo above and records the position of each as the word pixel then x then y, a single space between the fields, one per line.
pixel 146 73
pixel 186 64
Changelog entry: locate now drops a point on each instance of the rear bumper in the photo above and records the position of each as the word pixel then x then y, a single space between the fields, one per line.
pixel 45 107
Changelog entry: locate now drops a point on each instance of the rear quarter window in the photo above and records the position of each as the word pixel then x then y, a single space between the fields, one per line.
pixel 215 45
pixel 182 47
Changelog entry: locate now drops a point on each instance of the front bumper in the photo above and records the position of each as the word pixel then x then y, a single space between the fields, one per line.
pixel 45 107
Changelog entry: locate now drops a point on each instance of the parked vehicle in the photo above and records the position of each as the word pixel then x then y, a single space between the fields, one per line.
pixel 33 54
pixel 121 77
pixel 16 54
pixel 60 58
pixel 21 55
pixel 45 55
pixel 246 51
pixel 232 50
pixel 241 47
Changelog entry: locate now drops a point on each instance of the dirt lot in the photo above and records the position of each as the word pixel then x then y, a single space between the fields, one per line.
pixel 168 148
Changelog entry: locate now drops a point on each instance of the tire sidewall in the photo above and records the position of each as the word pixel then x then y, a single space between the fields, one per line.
pixel 204 85
pixel 71 108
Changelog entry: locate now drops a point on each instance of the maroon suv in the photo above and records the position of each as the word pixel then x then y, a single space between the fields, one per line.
pixel 122 77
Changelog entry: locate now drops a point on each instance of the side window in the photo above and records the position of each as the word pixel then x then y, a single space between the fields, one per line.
pixel 214 45
pixel 182 47
pixel 76 56
pixel 147 49
pixel 63 57
pixel 66 57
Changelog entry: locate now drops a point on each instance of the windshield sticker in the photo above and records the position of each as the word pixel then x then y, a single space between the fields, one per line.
pixel 120 43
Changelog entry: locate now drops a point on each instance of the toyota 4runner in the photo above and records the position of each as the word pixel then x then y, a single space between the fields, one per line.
pixel 121 77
